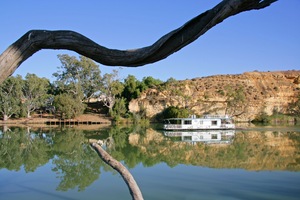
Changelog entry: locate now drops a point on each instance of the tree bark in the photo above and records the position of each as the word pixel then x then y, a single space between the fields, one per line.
pixel 36 40
pixel 5 117
pixel 126 175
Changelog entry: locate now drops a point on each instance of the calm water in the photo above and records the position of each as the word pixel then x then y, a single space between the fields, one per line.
pixel 257 163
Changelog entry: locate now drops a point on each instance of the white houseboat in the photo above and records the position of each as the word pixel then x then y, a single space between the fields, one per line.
pixel 207 122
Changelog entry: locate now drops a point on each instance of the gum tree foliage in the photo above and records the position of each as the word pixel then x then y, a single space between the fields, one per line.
pixel 68 105
pixel 173 112
pixel 10 97
pixel 132 88
pixel 150 82
pixel 80 77
pixel 110 89
pixel 119 109
pixel 34 91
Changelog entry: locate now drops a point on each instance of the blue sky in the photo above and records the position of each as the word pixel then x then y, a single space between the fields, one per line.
pixel 263 40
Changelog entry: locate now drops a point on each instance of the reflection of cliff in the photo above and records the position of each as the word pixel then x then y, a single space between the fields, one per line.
pixel 253 150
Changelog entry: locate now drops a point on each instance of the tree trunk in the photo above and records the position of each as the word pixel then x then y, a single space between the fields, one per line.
pixel 35 40
pixel 28 114
pixel 5 117
pixel 126 175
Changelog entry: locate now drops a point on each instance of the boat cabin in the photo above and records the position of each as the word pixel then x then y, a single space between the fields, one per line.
pixel 205 123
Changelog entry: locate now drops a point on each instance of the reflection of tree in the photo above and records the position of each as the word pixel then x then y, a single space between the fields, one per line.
pixel 75 162
pixel 130 154
pixel 10 151
pixel 36 152
pixel 18 147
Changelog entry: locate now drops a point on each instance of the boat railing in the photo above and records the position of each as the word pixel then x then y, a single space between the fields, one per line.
pixel 216 116
pixel 173 126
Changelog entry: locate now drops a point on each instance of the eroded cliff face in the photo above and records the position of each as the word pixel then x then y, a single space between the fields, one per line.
pixel 262 91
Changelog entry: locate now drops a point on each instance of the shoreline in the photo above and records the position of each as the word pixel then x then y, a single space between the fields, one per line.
pixel 45 121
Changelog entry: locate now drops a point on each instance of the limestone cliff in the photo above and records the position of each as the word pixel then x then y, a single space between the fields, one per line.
pixel 260 91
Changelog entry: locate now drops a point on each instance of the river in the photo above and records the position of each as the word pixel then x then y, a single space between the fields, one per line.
pixel 58 163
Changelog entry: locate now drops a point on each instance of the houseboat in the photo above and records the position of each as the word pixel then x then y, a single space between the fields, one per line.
pixel 207 122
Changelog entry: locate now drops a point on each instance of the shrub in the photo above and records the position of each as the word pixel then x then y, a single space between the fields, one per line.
pixel 262 117
pixel 68 106
pixel 173 112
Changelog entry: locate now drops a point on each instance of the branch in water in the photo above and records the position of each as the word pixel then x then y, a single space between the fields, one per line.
pixel 126 175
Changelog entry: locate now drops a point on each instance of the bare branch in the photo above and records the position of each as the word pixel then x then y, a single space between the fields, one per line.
pixel 36 40
pixel 123 171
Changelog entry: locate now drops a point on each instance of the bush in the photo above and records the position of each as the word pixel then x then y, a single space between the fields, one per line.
pixel 173 112
pixel 262 117
pixel 68 106
pixel 119 110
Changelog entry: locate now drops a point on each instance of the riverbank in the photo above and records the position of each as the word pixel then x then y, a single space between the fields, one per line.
pixel 85 119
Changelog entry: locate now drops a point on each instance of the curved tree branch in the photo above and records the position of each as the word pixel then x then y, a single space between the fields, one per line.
pixel 35 40
pixel 133 187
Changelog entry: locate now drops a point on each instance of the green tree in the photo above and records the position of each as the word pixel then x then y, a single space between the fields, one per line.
pixel 132 88
pixel 119 109
pixel 10 97
pixel 151 82
pixel 262 117
pixel 34 92
pixel 173 112
pixel 68 106
pixel 111 88
pixel 78 77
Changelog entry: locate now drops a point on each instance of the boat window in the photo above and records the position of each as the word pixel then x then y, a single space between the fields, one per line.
pixel 174 121
pixel 187 121
pixel 214 136
pixel 201 122
pixel 187 138
pixel 214 122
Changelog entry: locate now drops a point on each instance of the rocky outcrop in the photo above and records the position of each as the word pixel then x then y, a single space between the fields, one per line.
pixel 255 91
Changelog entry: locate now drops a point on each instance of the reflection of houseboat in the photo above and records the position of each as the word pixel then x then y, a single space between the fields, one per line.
pixel 208 122
pixel 209 137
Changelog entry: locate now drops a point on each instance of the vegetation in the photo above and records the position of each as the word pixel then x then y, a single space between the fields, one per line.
pixel 10 97
pixel 78 77
pixel 34 93
pixel 173 112
pixel 110 89
pixel 262 117
pixel 68 106
pixel 79 83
